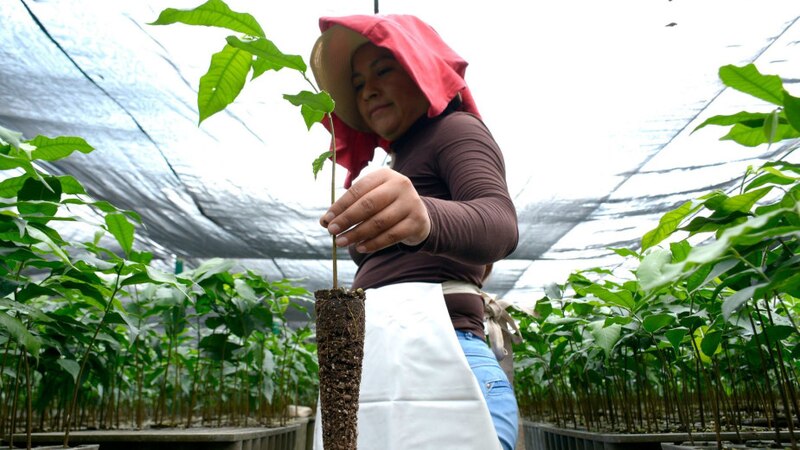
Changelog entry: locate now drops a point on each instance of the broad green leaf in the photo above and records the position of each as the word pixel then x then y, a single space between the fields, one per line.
pixel 11 186
pixel 667 225
pixel 213 13
pixel 17 331
pixel 655 322
pixel 753 137
pixel 650 271
pixel 47 190
pixel 42 237
pixel 733 119
pixel 710 274
pixel 69 185
pixel 777 333
pixel 52 149
pixel 605 336
pixel 211 267
pixel 744 202
pixel 223 82
pixel 268 55
pixel 313 106
pixel 676 335
pixel 318 163
pixel 320 101
pixel 710 343
pixel 791 107
pixel 732 303
pixel 12 162
pixel 771 175
pixel 749 80
pixel 311 116
pixel 612 298
pixel 680 250
pixel 122 230
pixel 70 366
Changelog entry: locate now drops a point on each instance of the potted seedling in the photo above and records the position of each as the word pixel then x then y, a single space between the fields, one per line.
pixel 339 311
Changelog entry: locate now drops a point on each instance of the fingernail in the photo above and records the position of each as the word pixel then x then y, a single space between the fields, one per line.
pixel 341 241
pixel 361 249
pixel 334 229
pixel 328 217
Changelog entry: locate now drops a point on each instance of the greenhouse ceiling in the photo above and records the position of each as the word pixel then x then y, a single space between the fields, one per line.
pixel 593 104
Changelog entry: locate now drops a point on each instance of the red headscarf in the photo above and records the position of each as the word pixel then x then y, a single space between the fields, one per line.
pixel 429 61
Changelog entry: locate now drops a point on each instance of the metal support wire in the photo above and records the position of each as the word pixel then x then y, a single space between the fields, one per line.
pixel 376 6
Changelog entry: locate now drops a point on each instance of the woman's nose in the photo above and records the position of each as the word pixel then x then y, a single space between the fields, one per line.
pixel 369 90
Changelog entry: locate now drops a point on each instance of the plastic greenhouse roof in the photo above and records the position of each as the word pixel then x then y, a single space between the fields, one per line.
pixel 593 103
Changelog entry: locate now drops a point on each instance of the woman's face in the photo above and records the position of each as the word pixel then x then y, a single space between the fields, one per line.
pixel 388 99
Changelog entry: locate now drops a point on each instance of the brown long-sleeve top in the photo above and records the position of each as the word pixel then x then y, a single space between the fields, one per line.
pixel 459 172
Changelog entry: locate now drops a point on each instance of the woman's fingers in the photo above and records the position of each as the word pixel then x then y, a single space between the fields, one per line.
pixel 380 210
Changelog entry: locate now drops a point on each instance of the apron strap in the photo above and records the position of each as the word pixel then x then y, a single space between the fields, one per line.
pixel 501 327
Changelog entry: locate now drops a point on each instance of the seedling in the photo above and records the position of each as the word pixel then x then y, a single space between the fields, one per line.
pixel 340 312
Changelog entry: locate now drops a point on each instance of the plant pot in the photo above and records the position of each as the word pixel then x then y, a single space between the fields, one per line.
pixel 340 348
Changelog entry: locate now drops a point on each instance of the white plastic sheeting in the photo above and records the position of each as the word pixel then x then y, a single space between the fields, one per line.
pixel 592 102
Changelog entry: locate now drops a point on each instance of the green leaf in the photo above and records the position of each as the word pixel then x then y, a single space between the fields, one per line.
pixel 651 270
pixel 69 185
pixel 615 298
pixel 313 106
pixel 710 343
pixel 11 186
pixel 791 107
pixel 70 366
pixel 320 101
pixel 223 82
pixel 213 13
pixel 48 190
pixel 42 237
pixel 268 55
pixel 655 322
pixel 676 335
pixel 667 225
pixel 122 230
pixel 12 162
pixel 744 202
pixel 52 149
pixel 733 119
pixel 19 333
pixel 605 336
pixel 749 80
pixel 320 162
pixel 732 303
pixel 753 137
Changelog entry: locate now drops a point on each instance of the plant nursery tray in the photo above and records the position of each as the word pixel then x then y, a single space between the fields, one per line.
pixel 289 437
pixel 543 436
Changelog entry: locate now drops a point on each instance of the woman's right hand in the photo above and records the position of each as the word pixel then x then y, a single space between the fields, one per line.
pixel 380 209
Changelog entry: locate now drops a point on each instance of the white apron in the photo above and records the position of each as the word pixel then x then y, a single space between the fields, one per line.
pixel 417 390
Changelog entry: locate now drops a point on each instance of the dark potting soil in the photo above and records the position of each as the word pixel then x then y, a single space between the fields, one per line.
pixel 340 349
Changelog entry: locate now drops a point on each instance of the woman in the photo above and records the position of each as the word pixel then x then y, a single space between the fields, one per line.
pixel 442 212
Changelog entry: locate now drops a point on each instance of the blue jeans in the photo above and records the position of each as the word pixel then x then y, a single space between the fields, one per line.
pixel 497 391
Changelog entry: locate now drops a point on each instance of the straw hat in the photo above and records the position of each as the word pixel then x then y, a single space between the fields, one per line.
pixel 330 64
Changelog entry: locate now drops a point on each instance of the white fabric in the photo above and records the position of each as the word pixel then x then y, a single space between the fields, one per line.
pixel 417 390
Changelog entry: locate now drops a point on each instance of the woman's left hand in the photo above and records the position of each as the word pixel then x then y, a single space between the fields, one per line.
pixel 379 210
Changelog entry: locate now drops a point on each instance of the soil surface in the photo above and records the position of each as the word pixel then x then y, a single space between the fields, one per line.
pixel 340 348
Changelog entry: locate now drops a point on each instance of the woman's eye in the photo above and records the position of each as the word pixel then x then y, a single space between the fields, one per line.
pixel 384 70
pixel 358 86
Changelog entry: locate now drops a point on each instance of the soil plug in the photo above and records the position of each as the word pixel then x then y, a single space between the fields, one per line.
pixel 340 349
